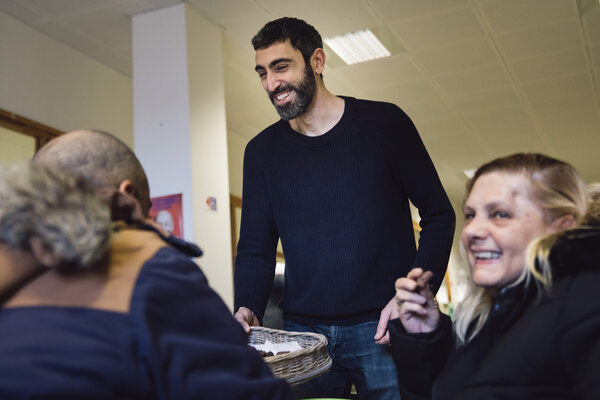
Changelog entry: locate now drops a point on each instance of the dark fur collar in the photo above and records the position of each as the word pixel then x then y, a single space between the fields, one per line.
pixel 576 251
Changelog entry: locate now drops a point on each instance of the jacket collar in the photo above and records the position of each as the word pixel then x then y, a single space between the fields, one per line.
pixel 187 248
pixel 575 251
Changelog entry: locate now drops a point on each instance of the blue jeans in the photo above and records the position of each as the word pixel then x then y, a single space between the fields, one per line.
pixel 357 360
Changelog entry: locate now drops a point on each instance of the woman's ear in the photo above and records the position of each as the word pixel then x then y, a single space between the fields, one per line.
pixel 565 222
pixel 42 253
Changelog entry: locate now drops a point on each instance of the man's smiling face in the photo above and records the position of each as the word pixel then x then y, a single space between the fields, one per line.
pixel 287 79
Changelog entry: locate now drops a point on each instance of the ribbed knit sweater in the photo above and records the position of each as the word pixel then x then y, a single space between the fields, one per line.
pixel 340 204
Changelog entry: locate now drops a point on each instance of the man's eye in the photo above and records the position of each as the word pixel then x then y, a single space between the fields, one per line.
pixel 281 67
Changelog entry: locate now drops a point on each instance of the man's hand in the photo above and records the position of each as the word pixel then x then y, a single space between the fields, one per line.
pixel 390 311
pixel 246 318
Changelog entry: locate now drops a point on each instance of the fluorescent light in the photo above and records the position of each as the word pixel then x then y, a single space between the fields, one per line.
pixel 279 268
pixel 357 47
pixel 469 173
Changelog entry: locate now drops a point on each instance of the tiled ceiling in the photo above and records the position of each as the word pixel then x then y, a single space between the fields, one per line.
pixel 479 78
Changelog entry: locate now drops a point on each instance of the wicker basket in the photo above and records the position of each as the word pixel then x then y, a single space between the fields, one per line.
pixel 297 366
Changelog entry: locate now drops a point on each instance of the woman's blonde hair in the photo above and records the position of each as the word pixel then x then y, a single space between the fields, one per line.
pixel 556 188
pixel 59 210
pixel 538 252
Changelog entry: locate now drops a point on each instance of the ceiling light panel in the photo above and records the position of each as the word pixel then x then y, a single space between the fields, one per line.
pixel 357 47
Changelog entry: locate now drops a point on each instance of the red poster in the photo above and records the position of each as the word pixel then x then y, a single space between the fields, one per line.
pixel 167 211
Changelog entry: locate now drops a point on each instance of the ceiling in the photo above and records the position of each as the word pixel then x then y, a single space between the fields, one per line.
pixel 479 78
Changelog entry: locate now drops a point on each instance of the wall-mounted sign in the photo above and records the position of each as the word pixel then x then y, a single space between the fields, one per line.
pixel 167 211
pixel 211 203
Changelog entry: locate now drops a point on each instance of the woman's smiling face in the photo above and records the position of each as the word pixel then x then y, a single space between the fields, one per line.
pixel 501 219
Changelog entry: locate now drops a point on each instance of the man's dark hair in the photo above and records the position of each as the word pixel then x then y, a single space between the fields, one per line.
pixel 302 36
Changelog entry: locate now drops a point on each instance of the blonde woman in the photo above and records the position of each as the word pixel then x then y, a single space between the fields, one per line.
pixel 553 350
pixel 510 202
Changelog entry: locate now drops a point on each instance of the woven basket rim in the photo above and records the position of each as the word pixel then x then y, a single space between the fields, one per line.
pixel 310 361
pixel 321 340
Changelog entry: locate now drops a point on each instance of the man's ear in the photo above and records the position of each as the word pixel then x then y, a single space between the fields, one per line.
pixel 127 187
pixel 124 205
pixel 317 61
pixel 42 253
pixel 565 222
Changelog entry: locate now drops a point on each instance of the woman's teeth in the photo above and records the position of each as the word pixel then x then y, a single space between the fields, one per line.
pixel 487 255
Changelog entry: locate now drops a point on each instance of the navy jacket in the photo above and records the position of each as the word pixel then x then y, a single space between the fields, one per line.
pixel 147 326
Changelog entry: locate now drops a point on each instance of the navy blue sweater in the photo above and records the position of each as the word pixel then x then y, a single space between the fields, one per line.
pixel 340 203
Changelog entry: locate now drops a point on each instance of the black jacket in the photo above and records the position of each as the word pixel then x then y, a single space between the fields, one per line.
pixel 528 349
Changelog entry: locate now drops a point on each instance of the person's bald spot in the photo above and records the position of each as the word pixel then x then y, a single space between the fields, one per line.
pixel 100 158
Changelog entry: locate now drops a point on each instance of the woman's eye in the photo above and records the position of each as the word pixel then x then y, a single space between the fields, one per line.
pixel 469 216
pixel 500 214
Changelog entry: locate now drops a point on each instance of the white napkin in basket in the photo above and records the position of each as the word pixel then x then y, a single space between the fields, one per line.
pixel 275 348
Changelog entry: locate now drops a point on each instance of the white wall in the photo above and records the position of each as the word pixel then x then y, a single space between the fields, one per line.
pixel 50 83
pixel 210 170
pixel 161 103
pixel 236 144
pixel 180 132
pixel 15 147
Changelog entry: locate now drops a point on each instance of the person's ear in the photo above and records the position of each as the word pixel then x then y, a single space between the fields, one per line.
pixel 565 222
pixel 317 61
pixel 42 253
pixel 127 187
pixel 124 205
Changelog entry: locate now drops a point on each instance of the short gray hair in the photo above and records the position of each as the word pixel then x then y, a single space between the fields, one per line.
pixel 62 211
pixel 99 157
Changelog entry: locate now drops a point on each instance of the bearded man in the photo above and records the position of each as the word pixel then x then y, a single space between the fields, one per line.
pixel 333 179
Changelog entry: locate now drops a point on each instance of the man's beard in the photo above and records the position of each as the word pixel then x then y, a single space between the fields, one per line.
pixel 305 92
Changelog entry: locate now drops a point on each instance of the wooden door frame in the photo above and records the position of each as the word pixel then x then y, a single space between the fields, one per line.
pixel 17 123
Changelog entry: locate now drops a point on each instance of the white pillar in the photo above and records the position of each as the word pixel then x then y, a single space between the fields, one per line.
pixel 180 134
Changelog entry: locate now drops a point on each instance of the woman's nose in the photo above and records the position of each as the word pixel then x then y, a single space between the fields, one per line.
pixel 475 228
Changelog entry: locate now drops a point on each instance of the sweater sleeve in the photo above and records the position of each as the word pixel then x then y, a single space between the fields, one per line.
pixel 419 358
pixel 193 347
pixel 257 246
pixel 426 193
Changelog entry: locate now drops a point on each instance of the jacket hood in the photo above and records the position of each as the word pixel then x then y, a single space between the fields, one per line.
pixel 576 251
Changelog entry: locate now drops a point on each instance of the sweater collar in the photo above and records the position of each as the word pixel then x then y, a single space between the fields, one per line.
pixel 328 136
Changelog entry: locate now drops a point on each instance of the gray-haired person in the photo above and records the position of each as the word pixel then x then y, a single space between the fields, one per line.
pixel 107 308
